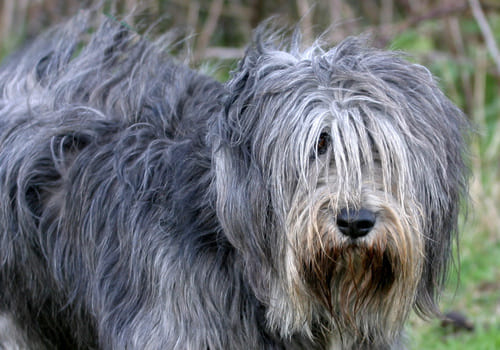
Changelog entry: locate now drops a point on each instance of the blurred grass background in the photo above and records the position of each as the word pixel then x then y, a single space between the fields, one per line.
pixel 456 39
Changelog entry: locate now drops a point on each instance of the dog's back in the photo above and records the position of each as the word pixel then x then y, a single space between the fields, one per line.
pixel 97 125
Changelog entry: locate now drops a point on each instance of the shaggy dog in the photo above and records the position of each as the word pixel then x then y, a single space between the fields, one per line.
pixel 308 203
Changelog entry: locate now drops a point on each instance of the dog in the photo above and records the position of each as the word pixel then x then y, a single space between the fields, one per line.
pixel 310 202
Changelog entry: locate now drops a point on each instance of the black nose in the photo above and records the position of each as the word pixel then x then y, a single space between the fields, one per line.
pixel 355 223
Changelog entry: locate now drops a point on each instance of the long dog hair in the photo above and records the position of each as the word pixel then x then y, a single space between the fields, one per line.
pixel 145 205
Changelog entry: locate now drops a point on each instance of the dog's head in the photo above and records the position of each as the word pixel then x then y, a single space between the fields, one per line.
pixel 339 175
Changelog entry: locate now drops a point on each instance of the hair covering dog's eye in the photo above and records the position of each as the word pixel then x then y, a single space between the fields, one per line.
pixel 323 143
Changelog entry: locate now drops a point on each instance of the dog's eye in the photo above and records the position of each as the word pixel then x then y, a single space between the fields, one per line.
pixel 323 143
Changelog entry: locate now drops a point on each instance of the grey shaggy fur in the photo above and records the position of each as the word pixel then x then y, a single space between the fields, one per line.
pixel 145 205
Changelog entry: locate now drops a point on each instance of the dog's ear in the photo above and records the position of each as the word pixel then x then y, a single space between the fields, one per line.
pixel 262 57
pixel 441 235
pixel 241 88
pixel 242 197
pixel 441 209
pixel 238 179
pixel 243 190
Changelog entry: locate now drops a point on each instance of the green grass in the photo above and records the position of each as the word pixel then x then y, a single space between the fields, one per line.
pixel 436 338
pixel 476 294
